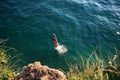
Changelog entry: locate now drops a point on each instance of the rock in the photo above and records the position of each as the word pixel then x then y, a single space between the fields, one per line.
pixel 36 71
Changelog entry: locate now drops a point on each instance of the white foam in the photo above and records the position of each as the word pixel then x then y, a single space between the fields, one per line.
pixel 119 24
pixel 61 49
pixel 118 33
pixel 80 1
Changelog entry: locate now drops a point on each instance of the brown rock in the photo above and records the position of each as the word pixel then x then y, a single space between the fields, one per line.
pixel 36 71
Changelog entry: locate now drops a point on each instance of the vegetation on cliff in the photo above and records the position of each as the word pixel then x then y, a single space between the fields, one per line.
pixel 95 68
pixel 8 64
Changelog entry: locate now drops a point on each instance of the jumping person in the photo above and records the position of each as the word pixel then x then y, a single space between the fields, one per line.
pixel 61 49
pixel 55 42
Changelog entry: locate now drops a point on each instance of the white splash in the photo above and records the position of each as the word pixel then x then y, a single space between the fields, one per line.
pixel 118 33
pixel 61 49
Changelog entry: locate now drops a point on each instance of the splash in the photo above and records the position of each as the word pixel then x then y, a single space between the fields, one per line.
pixel 118 33
pixel 61 49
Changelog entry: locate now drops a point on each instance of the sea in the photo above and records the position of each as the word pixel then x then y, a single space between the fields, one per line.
pixel 82 26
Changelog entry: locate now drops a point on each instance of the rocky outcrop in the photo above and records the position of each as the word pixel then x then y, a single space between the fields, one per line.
pixel 36 71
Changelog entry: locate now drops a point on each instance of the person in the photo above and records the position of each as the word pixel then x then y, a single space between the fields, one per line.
pixel 55 42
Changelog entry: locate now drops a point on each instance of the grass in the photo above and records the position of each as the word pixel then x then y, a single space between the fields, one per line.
pixel 8 64
pixel 95 68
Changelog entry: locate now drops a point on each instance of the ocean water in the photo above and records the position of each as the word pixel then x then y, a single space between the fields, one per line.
pixel 80 25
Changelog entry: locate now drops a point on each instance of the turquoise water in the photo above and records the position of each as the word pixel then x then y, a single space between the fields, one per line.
pixel 80 25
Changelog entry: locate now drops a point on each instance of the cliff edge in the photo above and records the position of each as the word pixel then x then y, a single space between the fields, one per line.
pixel 36 71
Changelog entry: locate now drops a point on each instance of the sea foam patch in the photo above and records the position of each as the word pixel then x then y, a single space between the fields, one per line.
pixel 118 33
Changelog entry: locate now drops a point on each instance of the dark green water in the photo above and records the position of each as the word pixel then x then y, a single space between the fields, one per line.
pixel 81 25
